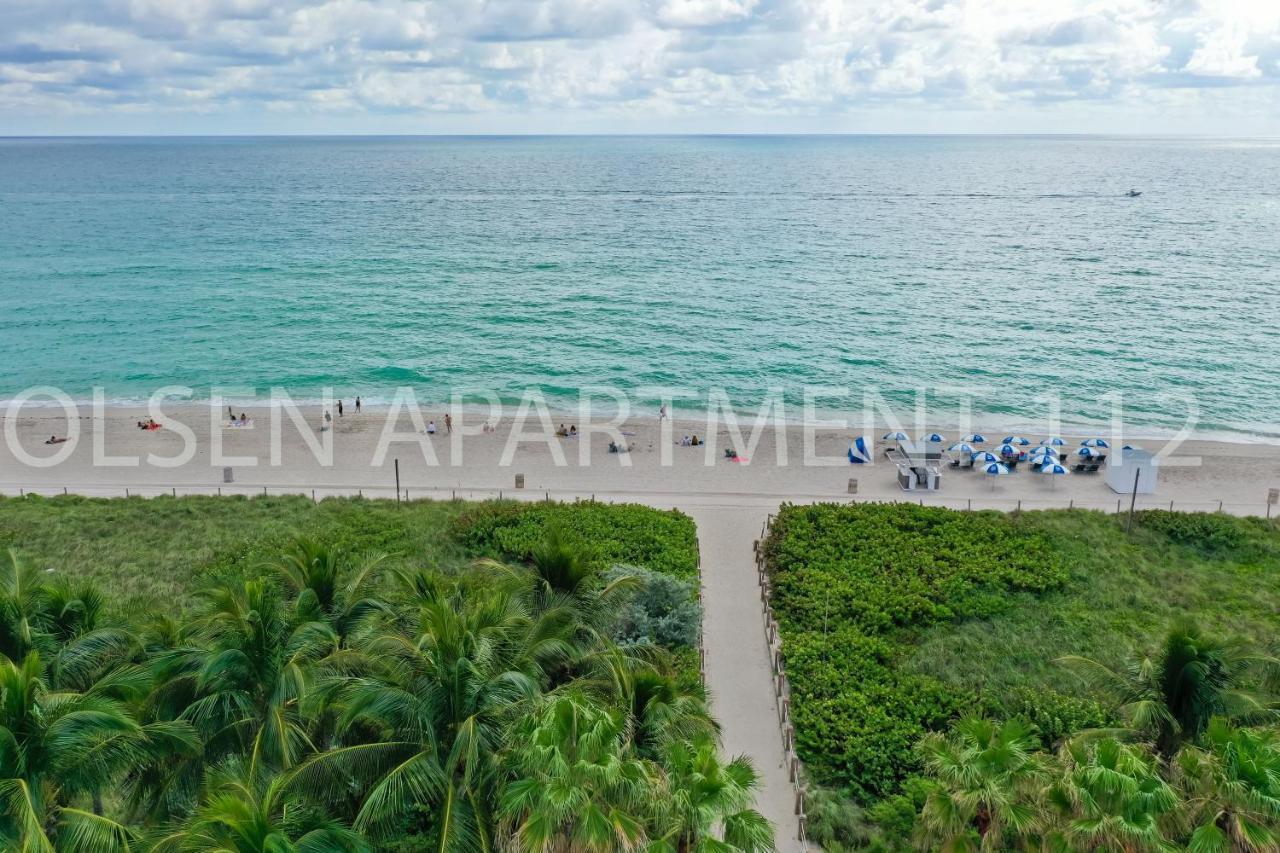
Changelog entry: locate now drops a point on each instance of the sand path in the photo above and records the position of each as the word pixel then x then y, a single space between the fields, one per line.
pixel 739 677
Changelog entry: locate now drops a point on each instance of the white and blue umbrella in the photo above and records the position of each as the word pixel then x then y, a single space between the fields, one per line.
pixel 1086 453
pixel 962 447
pixel 1053 441
pixel 896 436
pixel 934 437
pixel 1008 449
pixel 1054 470
pixel 993 470
pixel 1044 452
pixel 983 457
pixel 975 438
pixel 1132 447
pixel 1094 442
pixel 1015 439
pixel 860 451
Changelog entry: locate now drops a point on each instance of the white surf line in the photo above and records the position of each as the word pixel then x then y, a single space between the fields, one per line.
pixel 739 676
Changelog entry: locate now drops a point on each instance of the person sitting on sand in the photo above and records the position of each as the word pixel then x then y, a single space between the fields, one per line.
pixel 562 432
pixel 151 424
pixel 695 441
pixel 573 430
pixel 244 419
pixel 431 427
pixel 53 439
pixel 684 442
pixel 730 453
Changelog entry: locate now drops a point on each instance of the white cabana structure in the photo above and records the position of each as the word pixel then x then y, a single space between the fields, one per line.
pixel 1132 465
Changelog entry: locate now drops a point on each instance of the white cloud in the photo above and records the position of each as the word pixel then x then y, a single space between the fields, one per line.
pixel 498 60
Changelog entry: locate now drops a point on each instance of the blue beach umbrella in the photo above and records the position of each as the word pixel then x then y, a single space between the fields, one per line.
pixel 1052 442
pixel 896 436
pixel 1015 439
pixel 1094 442
pixel 1044 453
pixel 983 457
pixel 1008 449
pixel 933 437
pixel 962 447
pixel 860 451
pixel 975 438
pixel 1054 470
pixel 1085 453
pixel 995 469
pixel 1132 447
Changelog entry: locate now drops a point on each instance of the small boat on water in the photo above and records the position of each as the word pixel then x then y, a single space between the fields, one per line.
pixel 1133 193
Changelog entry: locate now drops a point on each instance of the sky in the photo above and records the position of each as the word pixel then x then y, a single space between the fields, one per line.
pixel 639 66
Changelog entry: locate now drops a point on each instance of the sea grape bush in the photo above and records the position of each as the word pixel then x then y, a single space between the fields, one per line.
pixel 847 581
pixel 663 541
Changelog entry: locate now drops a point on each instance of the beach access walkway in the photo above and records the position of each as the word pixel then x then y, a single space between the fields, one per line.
pixel 738 671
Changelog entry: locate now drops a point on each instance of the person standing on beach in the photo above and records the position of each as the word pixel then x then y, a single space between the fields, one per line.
pixel 662 413
pixel 448 423
pixel 357 405
pixel 339 408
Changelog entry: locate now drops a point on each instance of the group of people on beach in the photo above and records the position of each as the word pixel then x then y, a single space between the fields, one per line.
pixel 149 424
pixel 571 432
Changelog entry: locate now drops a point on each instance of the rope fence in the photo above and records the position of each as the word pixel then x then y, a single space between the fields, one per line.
pixel 1263 507
pixel 781 685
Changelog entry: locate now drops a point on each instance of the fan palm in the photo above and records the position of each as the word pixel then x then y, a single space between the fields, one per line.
pixel 704 796
pixel 1231 785
pixel 576 787
pixel 985 784
pixel 1172 697
pixel 248 812
pixel 56 748
pixel 1110 797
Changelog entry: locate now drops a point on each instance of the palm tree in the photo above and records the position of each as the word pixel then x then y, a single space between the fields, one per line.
pixel 425 731
pixel 20 610
pixel 703 796
pixel 985 787
pixel 59 747
pixel 330 586
pixel 661 712
pixel 1231 785
pixel 242 674
pixel 1110 798
pixel 1172 697
pixel 248 812
pixel 576 788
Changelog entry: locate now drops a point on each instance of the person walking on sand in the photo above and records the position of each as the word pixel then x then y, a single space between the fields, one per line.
pixel 662 412
pixel 339 408
pixel 448 423
pixel 357 405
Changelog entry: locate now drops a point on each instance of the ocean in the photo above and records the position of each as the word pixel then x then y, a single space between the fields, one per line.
pixel 1011 271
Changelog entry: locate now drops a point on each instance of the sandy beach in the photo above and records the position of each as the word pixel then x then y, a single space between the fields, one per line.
pixel 791 463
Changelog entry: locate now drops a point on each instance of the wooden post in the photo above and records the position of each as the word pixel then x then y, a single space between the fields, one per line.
pixel 1133 500
pixel 175 491
pixel 397 481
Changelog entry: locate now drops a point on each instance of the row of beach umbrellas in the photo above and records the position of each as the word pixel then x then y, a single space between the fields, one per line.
pixel 979 438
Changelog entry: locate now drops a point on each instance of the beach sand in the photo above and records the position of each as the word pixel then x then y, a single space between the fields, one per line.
pixel 471 463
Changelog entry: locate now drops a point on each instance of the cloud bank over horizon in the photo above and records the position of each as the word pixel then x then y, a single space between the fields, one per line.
pixel 384 66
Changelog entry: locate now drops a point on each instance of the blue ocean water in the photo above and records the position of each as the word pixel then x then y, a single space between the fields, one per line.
pixel 1008 267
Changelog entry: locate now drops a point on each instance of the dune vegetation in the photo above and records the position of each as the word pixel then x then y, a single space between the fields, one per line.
pixel 275 675
pixel 960 680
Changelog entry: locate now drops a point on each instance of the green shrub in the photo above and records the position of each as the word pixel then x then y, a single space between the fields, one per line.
pixel 662 541
pixel 1250 539
pixel 664 611
pixel 1055 715
pixel 847 579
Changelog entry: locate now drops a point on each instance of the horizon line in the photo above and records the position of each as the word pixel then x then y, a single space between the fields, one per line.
pixel 656 135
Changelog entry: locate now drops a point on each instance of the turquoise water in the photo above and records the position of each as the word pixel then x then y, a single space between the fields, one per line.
pixel 1009 267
